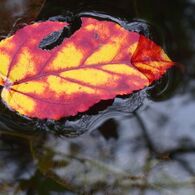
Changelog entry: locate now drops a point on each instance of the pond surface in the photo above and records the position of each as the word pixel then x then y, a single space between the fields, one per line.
pixel 143 144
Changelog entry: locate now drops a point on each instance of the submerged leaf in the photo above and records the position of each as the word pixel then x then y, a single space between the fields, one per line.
pixel 98 62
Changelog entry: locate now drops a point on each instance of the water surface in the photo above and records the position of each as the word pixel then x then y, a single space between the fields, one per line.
pixel 143 144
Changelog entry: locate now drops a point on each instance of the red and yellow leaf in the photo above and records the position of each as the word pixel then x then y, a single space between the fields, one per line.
pixel 99 61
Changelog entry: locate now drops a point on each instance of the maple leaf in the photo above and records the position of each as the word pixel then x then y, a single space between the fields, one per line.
pixel 99 61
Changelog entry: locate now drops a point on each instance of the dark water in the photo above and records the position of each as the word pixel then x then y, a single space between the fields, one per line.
pixel 143 144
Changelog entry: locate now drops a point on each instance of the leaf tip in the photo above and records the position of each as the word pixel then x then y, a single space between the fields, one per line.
pixel 1 82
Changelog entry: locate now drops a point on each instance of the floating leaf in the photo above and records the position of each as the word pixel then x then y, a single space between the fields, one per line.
pixel 99 61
